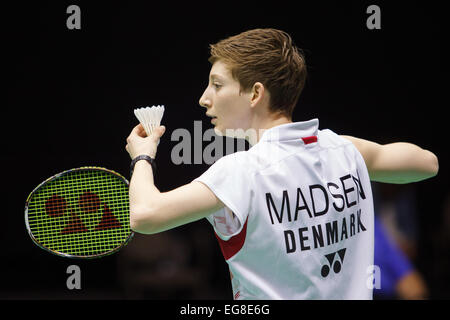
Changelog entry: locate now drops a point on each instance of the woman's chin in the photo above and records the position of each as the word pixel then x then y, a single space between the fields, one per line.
pixel 218 131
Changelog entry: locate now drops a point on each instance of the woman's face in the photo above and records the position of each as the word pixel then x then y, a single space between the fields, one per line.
pixel 224 101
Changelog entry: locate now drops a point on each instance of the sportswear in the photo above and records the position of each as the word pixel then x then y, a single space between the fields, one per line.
pixel 298 221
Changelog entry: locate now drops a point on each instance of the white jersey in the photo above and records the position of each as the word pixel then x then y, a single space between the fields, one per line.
pixel 298 221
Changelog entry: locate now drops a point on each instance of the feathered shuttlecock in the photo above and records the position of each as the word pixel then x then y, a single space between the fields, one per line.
pixel 150 117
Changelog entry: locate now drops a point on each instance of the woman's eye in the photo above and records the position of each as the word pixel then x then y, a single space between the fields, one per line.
pixel 217 85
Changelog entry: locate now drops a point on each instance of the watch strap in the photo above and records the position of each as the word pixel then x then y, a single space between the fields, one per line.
pixel 142 157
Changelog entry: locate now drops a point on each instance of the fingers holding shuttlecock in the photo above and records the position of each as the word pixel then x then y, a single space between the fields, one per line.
pixel 150 118
pixel 158 133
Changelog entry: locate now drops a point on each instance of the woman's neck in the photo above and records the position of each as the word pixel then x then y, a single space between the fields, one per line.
pixel 260 126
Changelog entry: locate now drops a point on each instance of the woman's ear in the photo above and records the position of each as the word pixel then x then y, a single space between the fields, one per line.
pixel 258 93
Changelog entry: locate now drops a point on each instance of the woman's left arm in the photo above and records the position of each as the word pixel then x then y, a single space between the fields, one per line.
pixel 152 211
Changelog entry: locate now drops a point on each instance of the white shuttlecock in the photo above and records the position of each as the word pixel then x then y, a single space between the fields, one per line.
pixel 150 118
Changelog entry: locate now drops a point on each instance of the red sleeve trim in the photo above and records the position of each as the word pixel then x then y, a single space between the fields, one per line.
pixel 232 246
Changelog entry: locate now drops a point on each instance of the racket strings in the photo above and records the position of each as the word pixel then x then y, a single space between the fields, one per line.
pixel 82 213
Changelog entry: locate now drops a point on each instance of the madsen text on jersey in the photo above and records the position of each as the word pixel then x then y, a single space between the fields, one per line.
pixel 331 197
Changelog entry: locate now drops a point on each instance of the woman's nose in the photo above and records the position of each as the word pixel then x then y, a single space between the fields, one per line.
pixel 204 101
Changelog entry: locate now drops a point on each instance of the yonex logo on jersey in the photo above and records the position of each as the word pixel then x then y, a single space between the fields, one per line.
pixel 337 265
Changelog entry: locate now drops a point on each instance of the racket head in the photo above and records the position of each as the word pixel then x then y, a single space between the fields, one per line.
pixel 80 213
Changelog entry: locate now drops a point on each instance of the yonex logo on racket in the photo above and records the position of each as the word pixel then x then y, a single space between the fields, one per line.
pixel 88 203
pixel 82 213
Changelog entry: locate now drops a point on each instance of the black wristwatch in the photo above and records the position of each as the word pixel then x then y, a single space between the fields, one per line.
pixel 143 157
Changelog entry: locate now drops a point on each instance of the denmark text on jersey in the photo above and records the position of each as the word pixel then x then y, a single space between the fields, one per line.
pixel 345 193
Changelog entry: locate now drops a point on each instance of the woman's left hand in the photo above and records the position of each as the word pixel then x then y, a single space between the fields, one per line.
pixel 138 143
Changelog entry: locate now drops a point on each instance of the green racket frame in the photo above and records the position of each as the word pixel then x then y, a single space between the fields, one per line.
pixel 88 217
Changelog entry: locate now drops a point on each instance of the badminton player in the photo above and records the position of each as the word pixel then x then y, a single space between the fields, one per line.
pixel 294 214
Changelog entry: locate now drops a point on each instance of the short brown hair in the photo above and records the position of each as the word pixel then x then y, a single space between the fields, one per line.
pixel 268 56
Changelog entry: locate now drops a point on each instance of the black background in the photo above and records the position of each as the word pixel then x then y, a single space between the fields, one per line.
pixel 70 96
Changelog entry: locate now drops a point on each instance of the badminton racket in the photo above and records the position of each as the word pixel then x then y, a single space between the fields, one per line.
pixel 80 213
